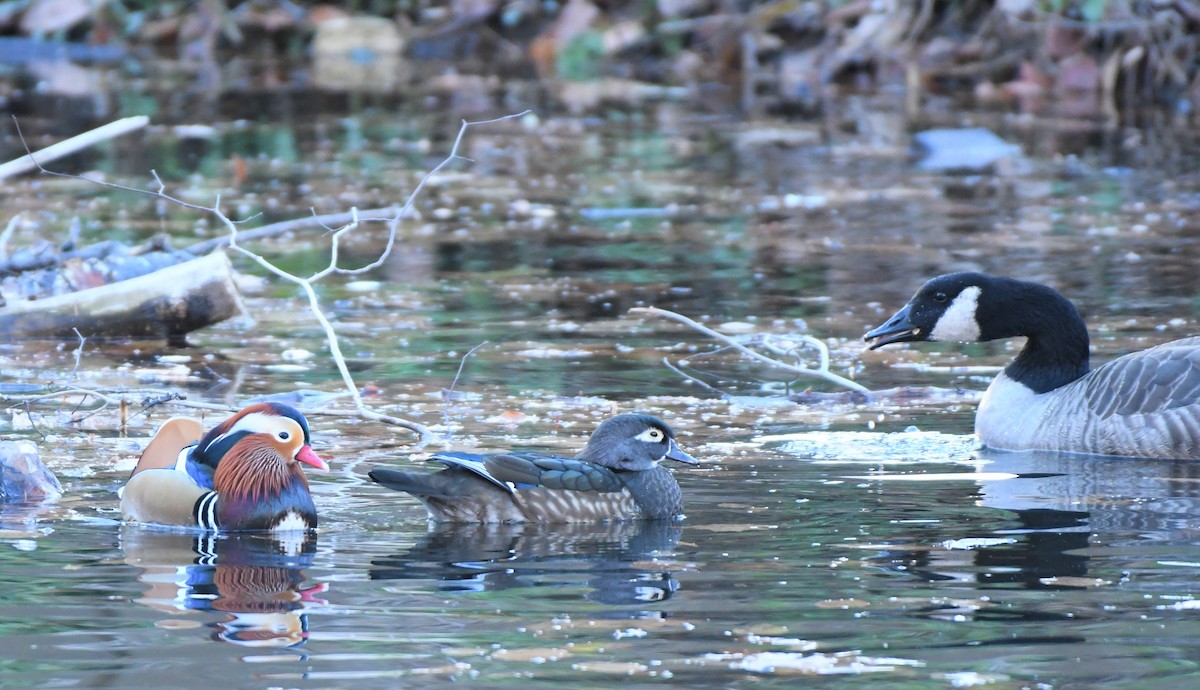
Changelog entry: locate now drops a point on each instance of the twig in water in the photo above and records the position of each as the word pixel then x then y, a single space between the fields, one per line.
pixel 32 424
pixel 328 221
pixel 670 365
pixel 823 372
pixel 462 363
pixel 78 355
pixel 306 284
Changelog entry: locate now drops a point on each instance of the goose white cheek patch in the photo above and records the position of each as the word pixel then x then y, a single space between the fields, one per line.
pixel 958 323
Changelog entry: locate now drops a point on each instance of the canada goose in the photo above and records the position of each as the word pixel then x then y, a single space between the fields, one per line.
pixel 1144 404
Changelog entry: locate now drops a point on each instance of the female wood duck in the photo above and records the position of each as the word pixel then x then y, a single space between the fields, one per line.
pixel 617 476
pixel 242 475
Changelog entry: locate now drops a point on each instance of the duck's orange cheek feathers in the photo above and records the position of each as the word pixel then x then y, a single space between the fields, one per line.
pixel 309 457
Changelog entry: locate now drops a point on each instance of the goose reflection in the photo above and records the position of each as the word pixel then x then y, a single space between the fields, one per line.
pixel 621 563
pixel 256 580
pixel 1058 506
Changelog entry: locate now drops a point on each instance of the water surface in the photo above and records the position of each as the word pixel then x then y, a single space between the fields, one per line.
pixel 856 544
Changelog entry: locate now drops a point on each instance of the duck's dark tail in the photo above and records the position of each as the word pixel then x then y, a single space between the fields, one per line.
pixel 454 494
pixel 415 483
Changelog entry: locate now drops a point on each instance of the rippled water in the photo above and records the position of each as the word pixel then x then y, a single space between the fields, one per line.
pixel 824 539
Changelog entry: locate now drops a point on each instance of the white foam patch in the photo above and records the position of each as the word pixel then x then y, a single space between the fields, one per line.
pixel 821 664
pixel 877 448
pixel 959 324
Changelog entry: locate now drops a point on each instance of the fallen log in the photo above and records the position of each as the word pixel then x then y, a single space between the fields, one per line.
pixel 168 303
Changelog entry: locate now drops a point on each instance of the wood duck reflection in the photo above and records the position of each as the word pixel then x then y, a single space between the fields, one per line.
pixel 256 579
pixel 621 563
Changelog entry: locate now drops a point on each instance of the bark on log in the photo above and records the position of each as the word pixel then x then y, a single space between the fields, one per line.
pixel 167 303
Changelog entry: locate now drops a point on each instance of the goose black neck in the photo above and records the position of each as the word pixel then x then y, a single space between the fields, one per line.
pixel 1056 350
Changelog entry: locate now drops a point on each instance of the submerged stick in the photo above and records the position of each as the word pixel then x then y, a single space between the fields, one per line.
pixel 34 160
pixel 823 372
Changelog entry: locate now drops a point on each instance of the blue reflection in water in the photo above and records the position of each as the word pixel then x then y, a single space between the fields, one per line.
pixel 625 563
pixel 257 580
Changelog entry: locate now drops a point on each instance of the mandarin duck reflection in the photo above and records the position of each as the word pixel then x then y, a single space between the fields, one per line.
pixel 256 581
pixel 242 475
pixel 617 476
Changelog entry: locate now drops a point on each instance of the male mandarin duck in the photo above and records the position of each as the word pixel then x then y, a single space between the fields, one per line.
pixel 242 475
pixel 617 476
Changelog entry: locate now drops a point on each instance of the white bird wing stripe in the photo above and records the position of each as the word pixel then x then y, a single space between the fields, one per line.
pixel 474 466
pixel 181 459
pixel 206 511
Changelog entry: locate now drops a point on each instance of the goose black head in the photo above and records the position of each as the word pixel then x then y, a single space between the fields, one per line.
pixel 944 309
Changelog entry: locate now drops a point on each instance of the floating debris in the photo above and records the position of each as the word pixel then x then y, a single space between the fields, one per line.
pixel 23 476
pixel 962 149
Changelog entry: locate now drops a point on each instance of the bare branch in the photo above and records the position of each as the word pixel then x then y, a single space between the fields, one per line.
pixel 233 237
pixel 462 363
pixel 327 221
pixel 823 372
pixel 78 354
pixel 69 146
pixel 671 365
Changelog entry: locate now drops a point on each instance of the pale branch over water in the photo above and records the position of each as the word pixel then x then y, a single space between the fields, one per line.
pixel 306 284
pixel 822 371
pixel 66 147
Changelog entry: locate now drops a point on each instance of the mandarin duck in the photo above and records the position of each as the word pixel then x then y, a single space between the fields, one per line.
pixel 617 476
pixel 242 475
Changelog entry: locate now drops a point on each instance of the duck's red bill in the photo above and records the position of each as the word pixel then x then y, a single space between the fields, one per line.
pixel 308 457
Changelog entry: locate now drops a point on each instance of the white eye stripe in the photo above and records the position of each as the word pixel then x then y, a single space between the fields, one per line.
pixel 258 423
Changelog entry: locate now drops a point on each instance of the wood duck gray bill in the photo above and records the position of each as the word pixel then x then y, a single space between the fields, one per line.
pixel 617 476
pixel 242 475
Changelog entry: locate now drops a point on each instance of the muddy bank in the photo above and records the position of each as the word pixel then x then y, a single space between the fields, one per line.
pixel 1084 59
